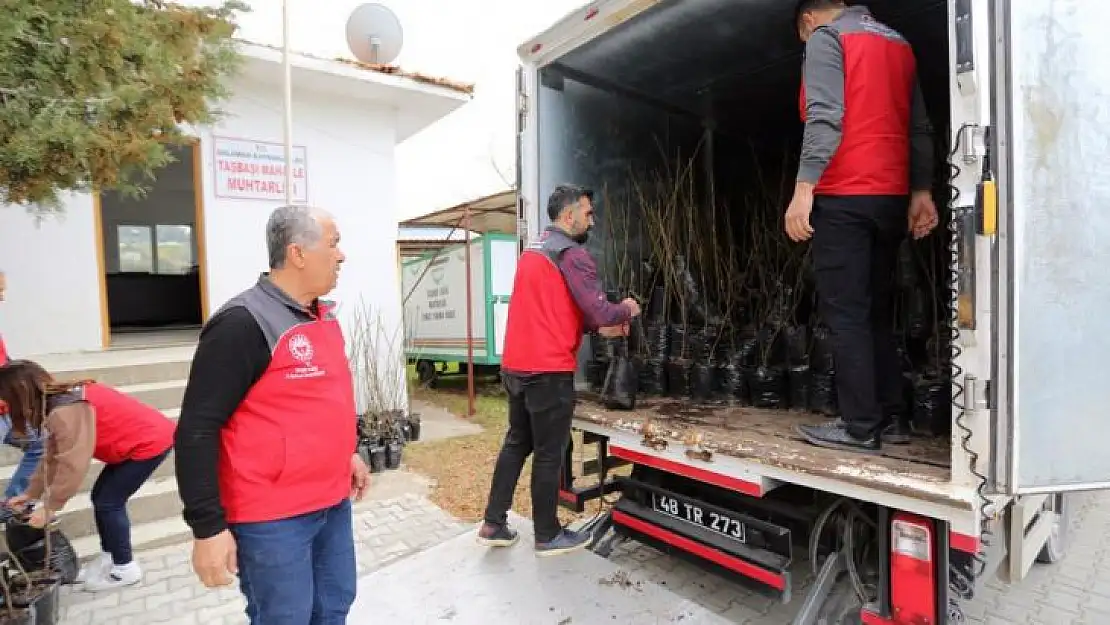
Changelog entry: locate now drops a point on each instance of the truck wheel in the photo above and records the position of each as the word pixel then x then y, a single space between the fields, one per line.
pixel 1057 544
pixel 426 373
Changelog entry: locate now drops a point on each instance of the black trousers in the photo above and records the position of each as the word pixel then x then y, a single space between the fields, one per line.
pixel 541 407
pixel 855 252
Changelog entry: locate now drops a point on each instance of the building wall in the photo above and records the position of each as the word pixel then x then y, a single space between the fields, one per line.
pixel 53 284
pixel 53 295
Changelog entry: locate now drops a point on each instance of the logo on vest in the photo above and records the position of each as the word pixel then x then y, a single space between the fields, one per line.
pixel 300 348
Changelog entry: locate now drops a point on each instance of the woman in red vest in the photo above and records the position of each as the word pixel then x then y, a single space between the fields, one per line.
pixel 86 420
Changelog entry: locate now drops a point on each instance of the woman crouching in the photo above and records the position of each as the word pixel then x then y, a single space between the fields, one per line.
pixel 82 421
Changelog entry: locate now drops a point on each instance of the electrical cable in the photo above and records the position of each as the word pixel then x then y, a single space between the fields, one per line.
pixel 959 584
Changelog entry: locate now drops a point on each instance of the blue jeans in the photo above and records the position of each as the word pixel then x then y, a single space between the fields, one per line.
pixel 32 453
pixel 114 486
pixel 298 571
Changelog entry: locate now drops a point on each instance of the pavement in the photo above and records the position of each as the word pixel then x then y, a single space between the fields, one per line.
pixel 417 564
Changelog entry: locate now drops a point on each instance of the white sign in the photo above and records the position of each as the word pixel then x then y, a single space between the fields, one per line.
pixel 255 170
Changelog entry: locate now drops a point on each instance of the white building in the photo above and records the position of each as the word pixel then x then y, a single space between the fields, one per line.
pixel 110 269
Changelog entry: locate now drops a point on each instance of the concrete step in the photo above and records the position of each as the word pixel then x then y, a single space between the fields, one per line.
pixel 123 367
pixel 144 536
pixel 155 500
pixel 10 456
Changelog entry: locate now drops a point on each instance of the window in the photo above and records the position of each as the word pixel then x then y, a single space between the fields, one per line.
pixel 175 249
pixel 135 246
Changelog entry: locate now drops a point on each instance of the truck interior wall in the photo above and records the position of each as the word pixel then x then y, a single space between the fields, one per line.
pixel 685 122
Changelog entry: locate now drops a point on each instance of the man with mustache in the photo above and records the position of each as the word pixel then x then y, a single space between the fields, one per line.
pixel 556 298
pixel 266 442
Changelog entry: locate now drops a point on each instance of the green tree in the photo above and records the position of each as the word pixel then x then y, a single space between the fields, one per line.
pixel 93 91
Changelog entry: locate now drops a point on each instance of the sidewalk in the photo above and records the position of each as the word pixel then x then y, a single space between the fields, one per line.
pixel 385 531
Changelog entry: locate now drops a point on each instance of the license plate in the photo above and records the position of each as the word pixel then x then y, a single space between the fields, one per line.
pixel 692 513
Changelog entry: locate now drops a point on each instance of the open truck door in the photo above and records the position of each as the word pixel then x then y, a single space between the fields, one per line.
pixel 1051 135
pixel 1051 140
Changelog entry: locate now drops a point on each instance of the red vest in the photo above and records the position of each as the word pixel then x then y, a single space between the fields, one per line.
pixel 874 153
pixel 544 328
pixel 4 357
pixel 287 449
pixel 126 428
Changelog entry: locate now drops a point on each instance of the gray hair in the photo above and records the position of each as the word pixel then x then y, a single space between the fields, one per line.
pixel 290 225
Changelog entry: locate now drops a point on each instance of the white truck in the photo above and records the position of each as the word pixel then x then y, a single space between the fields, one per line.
pixel 1021 89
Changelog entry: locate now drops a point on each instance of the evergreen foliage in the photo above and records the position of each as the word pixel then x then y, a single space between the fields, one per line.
pixel 92 91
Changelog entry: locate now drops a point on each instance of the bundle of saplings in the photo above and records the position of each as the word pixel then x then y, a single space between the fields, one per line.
pixel 730 311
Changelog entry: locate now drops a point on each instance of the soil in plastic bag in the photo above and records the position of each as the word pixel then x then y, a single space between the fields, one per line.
pixel 619 392
pixel 822 393
pixel 701 381
pixel 932 406
pixel 797 346
pixel 679 374
pixel 799 387
pixel 770 387
pixel 772 345
pixel 678 342
pixel 821 353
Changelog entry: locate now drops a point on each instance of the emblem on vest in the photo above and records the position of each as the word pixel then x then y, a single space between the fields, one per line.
pixel 300 348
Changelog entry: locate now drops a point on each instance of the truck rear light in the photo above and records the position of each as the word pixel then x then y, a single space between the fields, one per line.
pixel 913 583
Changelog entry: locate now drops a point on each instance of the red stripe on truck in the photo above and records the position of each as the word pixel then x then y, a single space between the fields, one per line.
pixel 774 580
pixel 694 473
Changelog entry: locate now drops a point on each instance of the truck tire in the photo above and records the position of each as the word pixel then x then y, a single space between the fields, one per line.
pixel 1055 548
pixel 426 373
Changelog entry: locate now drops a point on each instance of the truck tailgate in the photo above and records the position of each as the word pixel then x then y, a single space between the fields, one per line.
pixel 919 470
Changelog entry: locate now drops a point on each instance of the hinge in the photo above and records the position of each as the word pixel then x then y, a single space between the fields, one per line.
pixel 522 109
pixel 977 393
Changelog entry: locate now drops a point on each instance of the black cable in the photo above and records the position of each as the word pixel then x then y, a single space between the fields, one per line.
pixel 963 587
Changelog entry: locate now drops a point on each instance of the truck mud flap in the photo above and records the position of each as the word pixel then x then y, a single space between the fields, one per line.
pixel 729 541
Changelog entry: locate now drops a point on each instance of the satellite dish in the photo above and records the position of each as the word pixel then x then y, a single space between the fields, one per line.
pixel 374 34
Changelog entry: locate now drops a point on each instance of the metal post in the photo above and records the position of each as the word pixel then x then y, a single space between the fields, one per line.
pixel 469 321
pixel 287 88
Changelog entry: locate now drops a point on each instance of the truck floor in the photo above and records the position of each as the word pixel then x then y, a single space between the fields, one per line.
pixel 768 437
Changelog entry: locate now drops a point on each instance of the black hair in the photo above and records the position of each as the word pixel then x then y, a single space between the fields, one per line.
pixel 814 5
pixel 565 195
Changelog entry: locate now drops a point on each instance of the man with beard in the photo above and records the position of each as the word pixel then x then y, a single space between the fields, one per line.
pixel 266 442
pixel 556 297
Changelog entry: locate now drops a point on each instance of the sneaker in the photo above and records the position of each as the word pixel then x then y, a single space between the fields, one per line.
pixel 492 535
pixel 117 576
pixel 566 542
pixel 835 435
pixel 94 568
pixel 897 433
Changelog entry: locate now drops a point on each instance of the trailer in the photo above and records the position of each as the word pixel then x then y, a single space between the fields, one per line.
pixel 1017 87
pixel 435 291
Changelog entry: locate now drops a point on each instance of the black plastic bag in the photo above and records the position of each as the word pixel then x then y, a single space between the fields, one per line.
pixel 822 393
pixel 918 320
pixel 772 345
pixel 769 387
pixel 619 392
pixel 702 381
pixel 595 374
pixel 797 346
pixel 799 387
pixel 28 545
pixel 657 341
pixel 679 373
pixel 932 406
pixel 747 348
pixel 677 345
pixel 906 271
pixel 653 377
pixel 729 379
pixel 821 354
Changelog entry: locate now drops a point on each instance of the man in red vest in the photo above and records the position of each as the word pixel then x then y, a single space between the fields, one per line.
pixel 266 442
pixel 556 298
pixel 867 155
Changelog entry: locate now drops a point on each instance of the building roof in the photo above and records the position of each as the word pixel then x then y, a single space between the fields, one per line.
pixel 492 213
pixel 389 70
pixel 418 100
